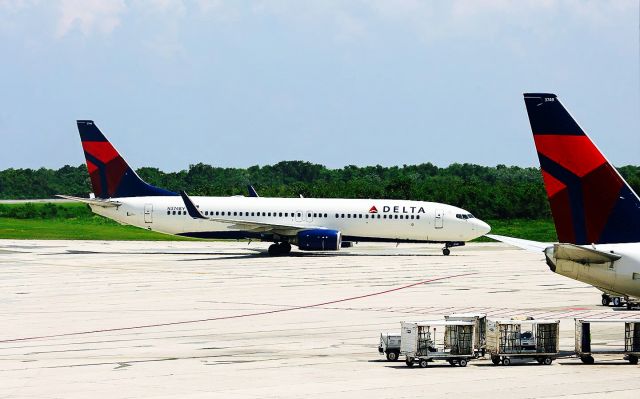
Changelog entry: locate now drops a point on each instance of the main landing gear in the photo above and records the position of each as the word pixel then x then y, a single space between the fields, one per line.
pixel 617 301
pixel 279 249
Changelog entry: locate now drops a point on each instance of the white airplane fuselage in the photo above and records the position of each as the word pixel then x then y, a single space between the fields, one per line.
pixel 355 219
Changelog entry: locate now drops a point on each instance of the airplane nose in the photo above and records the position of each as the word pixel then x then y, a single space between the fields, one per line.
pixel 483 227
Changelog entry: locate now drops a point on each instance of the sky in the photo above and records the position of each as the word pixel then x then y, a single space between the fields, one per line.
pixel 240 83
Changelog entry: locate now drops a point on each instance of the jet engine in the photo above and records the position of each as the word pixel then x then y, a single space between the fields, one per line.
pixel 319 240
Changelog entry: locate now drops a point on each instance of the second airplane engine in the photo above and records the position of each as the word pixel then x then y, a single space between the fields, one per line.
pixel 319 240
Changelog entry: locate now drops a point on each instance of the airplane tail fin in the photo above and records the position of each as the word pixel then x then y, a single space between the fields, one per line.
pixel 590 202
pixel 110 174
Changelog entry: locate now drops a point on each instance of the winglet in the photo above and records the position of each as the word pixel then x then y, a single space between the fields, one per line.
pixel 194 212
pixel 252 191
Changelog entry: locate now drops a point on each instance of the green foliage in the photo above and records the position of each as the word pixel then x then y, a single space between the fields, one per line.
pixel 501 192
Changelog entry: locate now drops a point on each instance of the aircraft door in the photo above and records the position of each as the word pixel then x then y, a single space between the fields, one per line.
pixel 308 216
pixel 148 213
pixel 299 215
pixel 438 223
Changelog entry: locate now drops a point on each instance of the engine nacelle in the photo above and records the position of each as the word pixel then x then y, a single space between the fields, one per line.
pixel 319 240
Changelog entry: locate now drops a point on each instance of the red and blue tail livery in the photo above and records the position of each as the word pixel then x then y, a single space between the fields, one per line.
pixel 111 176
pixel 590 202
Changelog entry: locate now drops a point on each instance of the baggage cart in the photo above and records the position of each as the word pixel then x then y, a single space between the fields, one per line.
pixel 390 346
pixel 523 339
pixel 480 319
pixel 428 341
pixel 585 348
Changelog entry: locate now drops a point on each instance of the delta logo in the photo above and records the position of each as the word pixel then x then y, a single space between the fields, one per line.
pixel 373 209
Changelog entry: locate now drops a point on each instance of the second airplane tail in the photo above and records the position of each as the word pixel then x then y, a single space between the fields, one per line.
pixel 110 174
pixel 590 201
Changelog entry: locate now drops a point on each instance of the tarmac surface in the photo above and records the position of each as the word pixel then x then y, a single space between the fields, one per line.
pixel 89 319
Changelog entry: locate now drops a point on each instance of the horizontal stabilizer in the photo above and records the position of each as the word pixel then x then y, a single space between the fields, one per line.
pixel 93 201
pixel 576 253
pixel 534 246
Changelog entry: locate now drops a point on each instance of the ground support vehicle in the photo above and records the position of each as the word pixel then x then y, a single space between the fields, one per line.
pixel 480 321
pixel 524 339
pixel 585 350
pixel 390 346
pixel 428 341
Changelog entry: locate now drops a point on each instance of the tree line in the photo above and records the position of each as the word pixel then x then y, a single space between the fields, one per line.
pixel 500 192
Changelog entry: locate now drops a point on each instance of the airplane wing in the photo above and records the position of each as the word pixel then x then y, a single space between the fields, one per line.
pixel 252 191
pixel 534 246
pixel 249 225
pixel 584 255
pixel 92 201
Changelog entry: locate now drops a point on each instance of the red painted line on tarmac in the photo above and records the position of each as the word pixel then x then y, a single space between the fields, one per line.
pixel 175 323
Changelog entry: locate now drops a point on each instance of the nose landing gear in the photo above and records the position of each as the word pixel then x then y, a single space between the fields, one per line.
pixel 446 251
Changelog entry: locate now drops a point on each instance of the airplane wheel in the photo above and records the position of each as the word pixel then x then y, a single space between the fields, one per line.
pixel 587 359
pixel 617 302
pixel 605 300
pixel 274 250
pixel 446 251
pixel 285 248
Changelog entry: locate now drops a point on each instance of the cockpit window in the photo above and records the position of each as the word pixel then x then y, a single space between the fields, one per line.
pixel 470 216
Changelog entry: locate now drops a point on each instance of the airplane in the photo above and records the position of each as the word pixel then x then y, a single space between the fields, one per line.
pixel 312 224
pixel 595 211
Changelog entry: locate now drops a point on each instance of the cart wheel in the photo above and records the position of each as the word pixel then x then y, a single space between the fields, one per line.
pixel 633 359
pixel 463 362
pixel 587 359
pixel 506 361
pixel 616 301
pixel 424 363
pixel 409 362
pixel 629 305
pixel 605 300
pixel 547 361
pixel 392 356
pixel 495 360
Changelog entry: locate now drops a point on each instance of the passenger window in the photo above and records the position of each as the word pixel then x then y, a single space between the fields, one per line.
pixel 308 215
pixel 268 213
pixel 325 215
pixel 384 217
pixel 286 214
pixel 417 216
pixel 396 216
pixel 280 214
pixel 168 212
pixel 366 216
pixel 360 216
pixel 342 216
pixel 401 216
pixel 235 213
pixel 174 212
pixel 315 215
pixel 378 216
pixel 217 213
pixel 348 216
